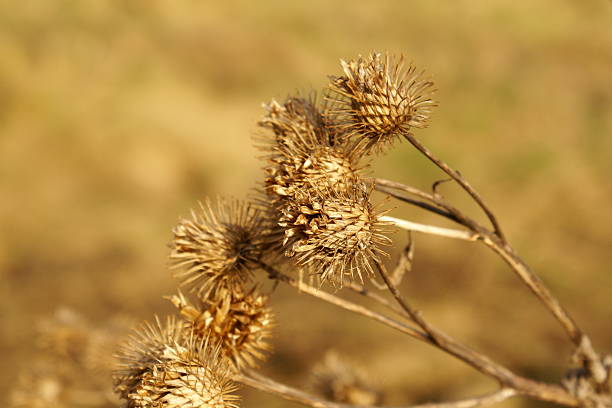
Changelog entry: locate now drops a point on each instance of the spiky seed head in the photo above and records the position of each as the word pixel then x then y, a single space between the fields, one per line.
pixel 291 173
pixel 304 149
pixel 182 380
pixel 220 246
pixel 143 350
pixel 167 366
pixel 298 121
pixel 378 100
pixel 340 380
pixel 334 233
pixel 239 323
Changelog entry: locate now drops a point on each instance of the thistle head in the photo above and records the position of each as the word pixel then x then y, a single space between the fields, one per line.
pixel 166 366
pixel 220 246
pixel 303 150
pixel 334 233
pixel 377 100
pixel 238 323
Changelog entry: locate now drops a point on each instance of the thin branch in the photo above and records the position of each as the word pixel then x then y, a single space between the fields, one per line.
pixel 536 285
pixel 525 386
pixel 342 303
pixel 416 203
pixel 490 239
pixel 362 290
pixel 455 175
pixel 447 210
pixel 293 394
pixel 432 230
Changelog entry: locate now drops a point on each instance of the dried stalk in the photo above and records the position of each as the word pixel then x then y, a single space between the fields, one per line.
pixel 293 394
pixel 432 230
pixel 523 386
pixel 342 303
pixel 458 178
pixel 533 282
pixel 430 335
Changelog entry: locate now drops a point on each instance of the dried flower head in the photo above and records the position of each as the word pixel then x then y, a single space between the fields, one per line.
pixel 377 100
pixel 340 380
pixel 219 247
pixel 297 121
pixel 166 366
pixel 239 323
pixel 303 150
pixel 335 233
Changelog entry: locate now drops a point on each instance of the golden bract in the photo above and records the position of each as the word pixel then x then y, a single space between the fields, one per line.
pixel 220 246
pixel 377 100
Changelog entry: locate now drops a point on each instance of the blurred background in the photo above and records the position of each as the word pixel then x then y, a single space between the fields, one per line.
pixel 117 116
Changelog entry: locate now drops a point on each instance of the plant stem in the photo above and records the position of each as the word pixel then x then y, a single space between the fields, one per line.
pixel 535 284
pixel 293 394
pixel 430 229
pixel 458 178
pixel 524 386
pixel 342 303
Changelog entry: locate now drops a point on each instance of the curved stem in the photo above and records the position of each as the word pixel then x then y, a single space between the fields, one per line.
pixel 537 287
pixel 342 303
pixel 440 207
pixel 363 291
pixel 293 394
pixel 458 178
pixel 525 386
pixel 430 229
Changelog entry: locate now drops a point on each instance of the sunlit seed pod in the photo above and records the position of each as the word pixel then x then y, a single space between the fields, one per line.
pixel 185 379
pixel 168 366
pixel 220 246
pixel 303 147
pixel 239 323
pixel 143 350
pixel 336 234
pixel 296 123
pixel 378 100
pixel 339 380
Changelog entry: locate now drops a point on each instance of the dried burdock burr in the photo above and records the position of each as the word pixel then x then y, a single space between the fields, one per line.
pixel 303 150
pixel 165 365
pixel 335 234
pixel 220 246
pixel 377 100
pixel 238 323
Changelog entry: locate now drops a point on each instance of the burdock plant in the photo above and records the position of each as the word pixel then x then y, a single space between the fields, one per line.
pixel 313 215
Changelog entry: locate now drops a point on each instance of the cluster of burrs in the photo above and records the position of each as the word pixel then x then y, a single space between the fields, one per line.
pixel 313 214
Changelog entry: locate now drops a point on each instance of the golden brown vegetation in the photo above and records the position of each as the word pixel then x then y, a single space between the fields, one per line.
pixel 85 179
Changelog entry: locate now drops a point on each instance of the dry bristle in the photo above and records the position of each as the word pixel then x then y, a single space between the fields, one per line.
pixel 290 174
pixel 239 323
pixel 377 100
pixel 168 366
pixel 334 233
pixel 303 149
pixel 297 123
pixel 339 380
pixel 143 350
pixel 219 247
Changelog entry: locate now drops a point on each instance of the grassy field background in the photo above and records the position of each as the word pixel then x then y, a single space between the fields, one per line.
pixel 117 116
